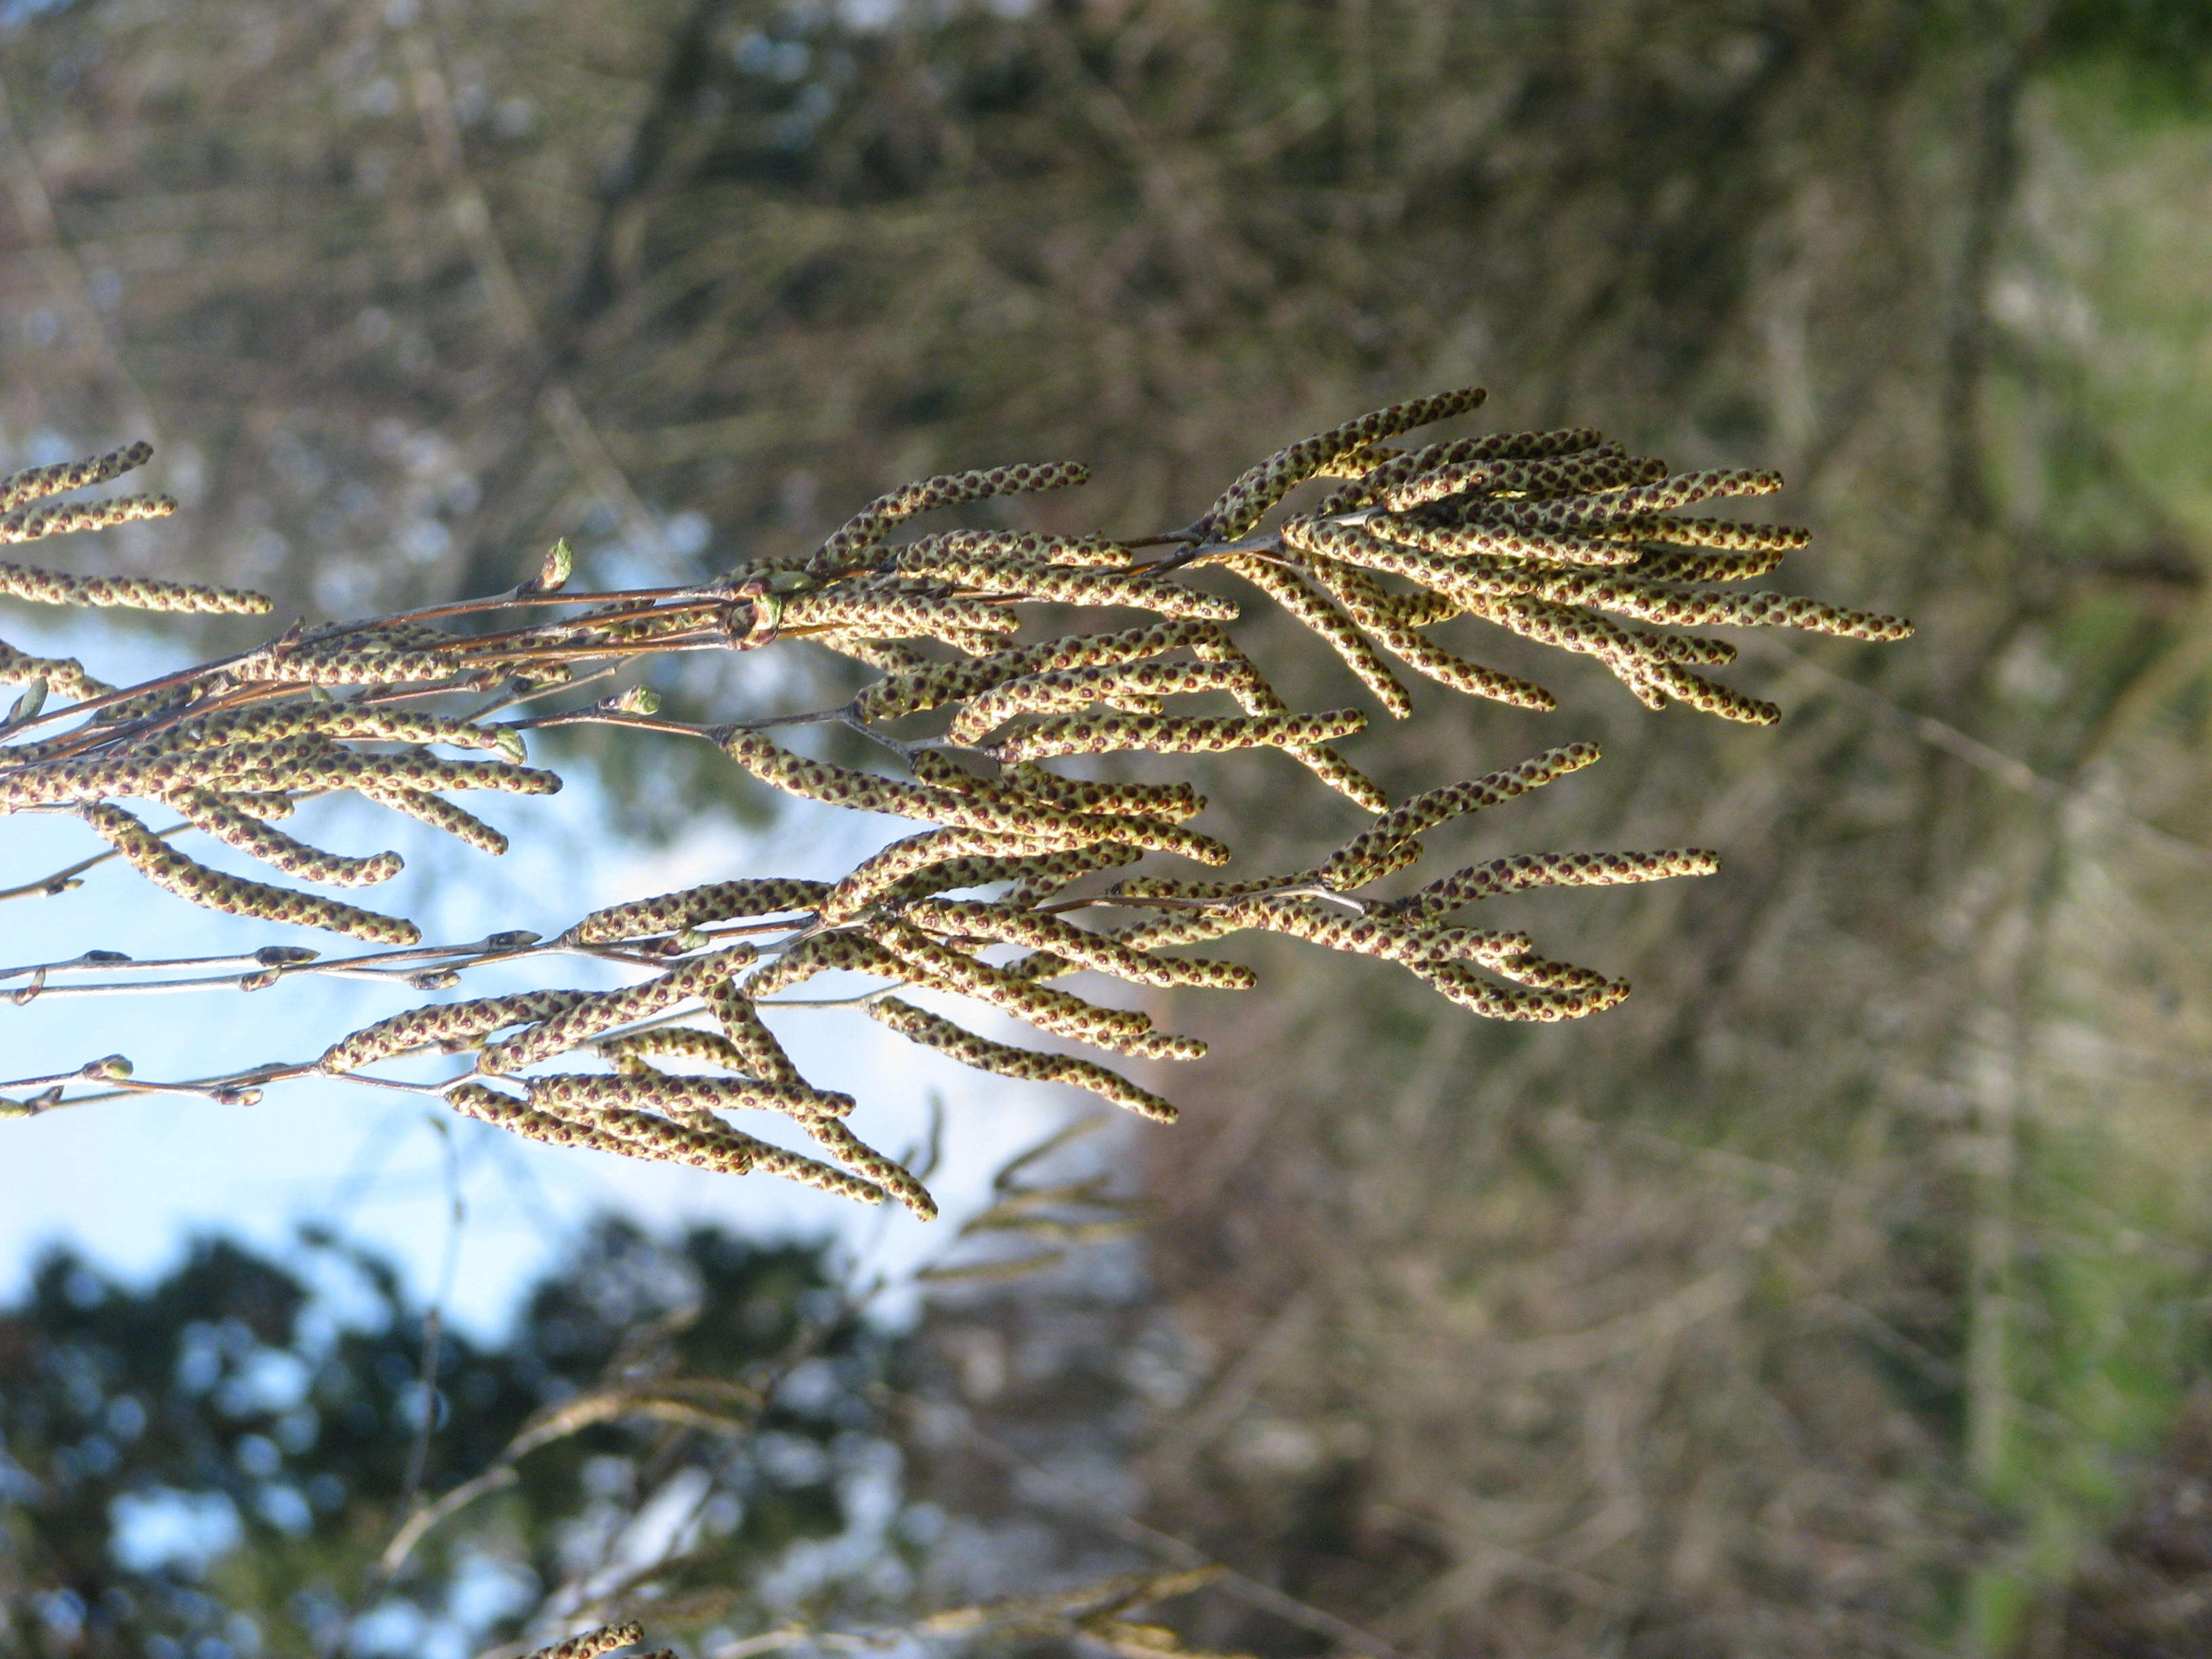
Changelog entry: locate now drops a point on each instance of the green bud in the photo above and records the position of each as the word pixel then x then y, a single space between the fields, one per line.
pixel 560 564
pixel 32 700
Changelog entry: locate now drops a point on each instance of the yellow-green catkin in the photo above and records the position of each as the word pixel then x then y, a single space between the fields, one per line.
pixel 718 901
pixel 207 810
pixel 19 581
pixel 451 1025
pixel 212 890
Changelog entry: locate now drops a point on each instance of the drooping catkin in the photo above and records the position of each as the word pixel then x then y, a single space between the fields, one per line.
pixel 1036 876
pixel 1373 609
pixel 1055 585
pixel 894 616
pixel 207 810
pixel 452 1024
pixel 64 675
pixel 933 1030
pixel 1062 689
pixel 1508 875
pixel 856 1154
pixel 840 786
pixel 572 1089
pixel 1458 984
pixel 1246 499
pixel 356 667
pixel 20 581
pixel 1638 500
pixel 883 873
pixel 440 814
pixel 683 1042
pixel 748 1034
pixel 848 544
pixel 718 901
pixel 1100 734
pixel 1605 466
pixel 303 763
pixel 36 483
pixel 918 690
pixel 1348 866
pixel 822 953
pixel 1526 969
pixel 1389 937
pixel 593 1643
pixel 634 1134
pixel 36 523
pixel 1331 626
pixel 941 967
pixel 1173 802
pixel 924 553
pixel 268 722
pixel 1004 924
pixel 212 890
pixel 1372 485
pixel 603 1011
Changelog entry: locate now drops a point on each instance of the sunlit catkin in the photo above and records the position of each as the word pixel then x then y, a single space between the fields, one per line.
pixel 36 483
pixel 605 1011
pixel 212 890
pixel 718 901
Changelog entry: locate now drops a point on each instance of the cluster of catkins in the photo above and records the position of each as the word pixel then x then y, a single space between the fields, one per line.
pixel 1551 535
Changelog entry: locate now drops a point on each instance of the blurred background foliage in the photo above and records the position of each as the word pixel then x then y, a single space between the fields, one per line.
pixel 1843 1292
pixel 218 1464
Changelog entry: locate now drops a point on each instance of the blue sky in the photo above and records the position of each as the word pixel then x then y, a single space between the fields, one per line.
pixel 127 1183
